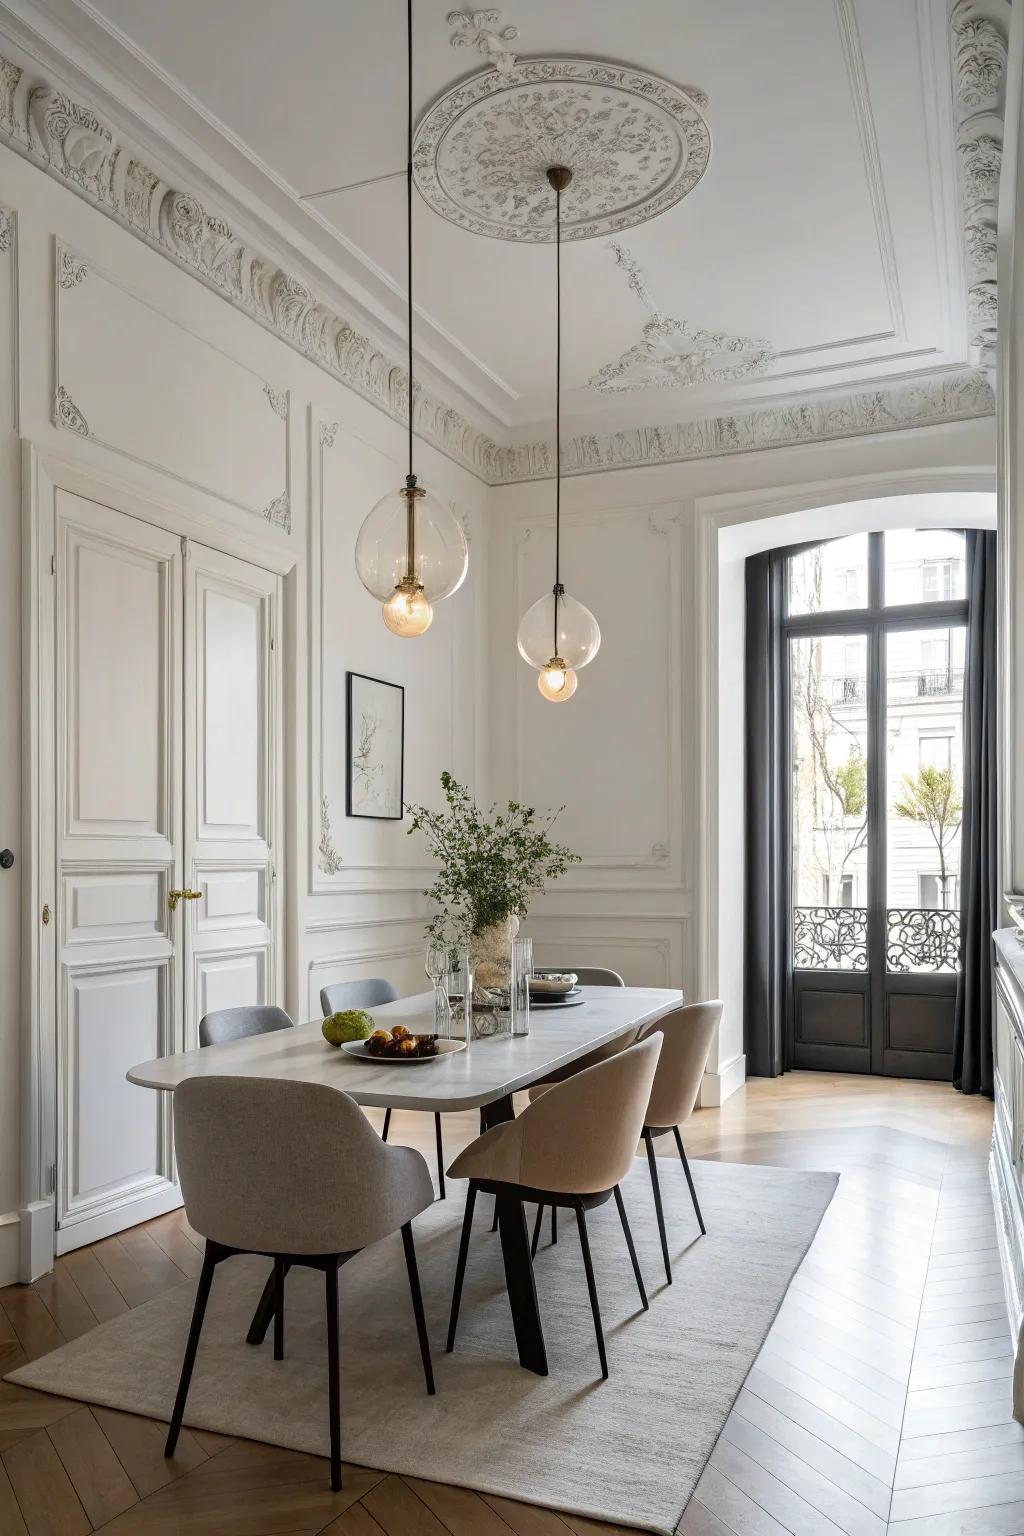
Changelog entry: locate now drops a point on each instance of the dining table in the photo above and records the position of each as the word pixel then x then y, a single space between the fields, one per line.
pixel 484 1077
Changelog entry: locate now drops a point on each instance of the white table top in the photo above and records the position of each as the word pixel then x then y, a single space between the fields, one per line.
pixel 489 1070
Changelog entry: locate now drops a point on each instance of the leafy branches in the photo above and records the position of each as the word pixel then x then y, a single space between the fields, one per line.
pixel 932 798
pixel 492 861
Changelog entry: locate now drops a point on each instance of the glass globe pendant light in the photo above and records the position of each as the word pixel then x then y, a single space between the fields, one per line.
pixel 558 635
pixel 411 551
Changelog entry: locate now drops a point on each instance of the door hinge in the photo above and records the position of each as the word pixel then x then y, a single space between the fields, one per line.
pixel 51 1179
pixel 53 565
pixel 185 547
pixel 46 912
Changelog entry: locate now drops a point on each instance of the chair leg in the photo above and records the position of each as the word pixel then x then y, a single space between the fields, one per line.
pixel 387 1125
pixel 689 1180
pixel 494 1219
pixel 334 1373
pixel 279 1274
pixel 588 1264
pixel 440 1157
pixel 198 1313
pixel 417 1305
pixel 460 1268
pixel 536 1231
pixel 554 1224
pixel 652 1163
pixel 632 1251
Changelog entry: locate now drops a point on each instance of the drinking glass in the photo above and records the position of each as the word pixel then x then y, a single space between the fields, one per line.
pixel 459 989
pixel 436 967
pixel 519 989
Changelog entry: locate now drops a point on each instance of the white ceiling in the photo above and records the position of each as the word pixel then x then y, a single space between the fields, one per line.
pixel 825 222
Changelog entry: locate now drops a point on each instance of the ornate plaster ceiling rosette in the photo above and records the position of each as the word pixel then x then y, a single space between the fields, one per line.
pixel 636 145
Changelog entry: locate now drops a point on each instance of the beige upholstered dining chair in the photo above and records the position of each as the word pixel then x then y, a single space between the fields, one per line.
pixel 254 1159
pixel 686 1041
pixel 572 1147
pixel 374 992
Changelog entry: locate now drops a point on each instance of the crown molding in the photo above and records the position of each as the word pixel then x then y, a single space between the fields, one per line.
pixel 67 139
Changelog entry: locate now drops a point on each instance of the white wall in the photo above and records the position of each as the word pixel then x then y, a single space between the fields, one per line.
pixel 648 755
pixel 170 379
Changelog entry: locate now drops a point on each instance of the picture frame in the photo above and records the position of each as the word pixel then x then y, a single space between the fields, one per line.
pixel 374 748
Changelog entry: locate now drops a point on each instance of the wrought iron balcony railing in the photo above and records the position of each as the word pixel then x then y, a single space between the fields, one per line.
pixel 836 939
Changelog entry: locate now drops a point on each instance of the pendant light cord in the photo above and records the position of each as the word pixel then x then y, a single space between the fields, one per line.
pixel 558 405
pixel 408 221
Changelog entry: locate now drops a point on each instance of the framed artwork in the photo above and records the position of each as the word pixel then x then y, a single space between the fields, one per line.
pixel 375 741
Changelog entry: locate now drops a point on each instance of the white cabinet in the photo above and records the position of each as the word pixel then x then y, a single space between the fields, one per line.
pixel 1007 1165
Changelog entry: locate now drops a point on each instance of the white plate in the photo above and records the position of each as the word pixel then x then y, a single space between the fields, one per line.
pixel 571 1000
pixel 357 1048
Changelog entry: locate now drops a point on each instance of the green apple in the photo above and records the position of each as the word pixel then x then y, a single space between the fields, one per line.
pixel 353 1024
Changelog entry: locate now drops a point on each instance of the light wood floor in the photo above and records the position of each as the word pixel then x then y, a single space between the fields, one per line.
pixel 880 1402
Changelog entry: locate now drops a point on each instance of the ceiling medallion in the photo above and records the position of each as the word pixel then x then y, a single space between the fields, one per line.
pixel 673 354
pixel 637 144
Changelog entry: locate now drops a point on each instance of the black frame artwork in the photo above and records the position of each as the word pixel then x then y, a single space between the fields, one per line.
pixel 377 682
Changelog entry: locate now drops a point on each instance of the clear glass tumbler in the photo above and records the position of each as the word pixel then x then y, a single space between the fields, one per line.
pixel 522 970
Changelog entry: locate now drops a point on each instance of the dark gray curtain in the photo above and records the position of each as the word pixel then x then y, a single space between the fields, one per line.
pixel 979 836
pixel 764 958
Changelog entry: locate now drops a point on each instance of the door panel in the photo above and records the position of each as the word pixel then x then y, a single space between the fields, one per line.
pixel 232 783
pixel 119 743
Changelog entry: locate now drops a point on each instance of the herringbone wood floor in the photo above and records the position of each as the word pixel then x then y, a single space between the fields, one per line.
pixel 880 1401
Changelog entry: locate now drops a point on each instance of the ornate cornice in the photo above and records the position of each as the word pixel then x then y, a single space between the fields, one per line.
pixel 42 123
pixel 979 52
pixel 924 402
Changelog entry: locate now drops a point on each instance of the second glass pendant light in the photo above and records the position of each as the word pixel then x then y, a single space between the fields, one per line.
pixel 558 635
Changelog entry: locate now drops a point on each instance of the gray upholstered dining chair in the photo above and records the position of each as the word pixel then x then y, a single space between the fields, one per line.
pixel 591 975
pixel 686 1042
pixel 374 992
pixel 239 1023
pixel 572 1147
pixel 253 1155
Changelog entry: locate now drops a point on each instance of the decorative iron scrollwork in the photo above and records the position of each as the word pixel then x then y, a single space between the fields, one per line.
pixel 830 938
pixel 922 939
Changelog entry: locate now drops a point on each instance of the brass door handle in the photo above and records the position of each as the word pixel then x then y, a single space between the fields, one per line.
pixel 173 897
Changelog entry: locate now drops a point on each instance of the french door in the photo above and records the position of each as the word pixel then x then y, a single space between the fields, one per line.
pixel 167 784
pixel 873 634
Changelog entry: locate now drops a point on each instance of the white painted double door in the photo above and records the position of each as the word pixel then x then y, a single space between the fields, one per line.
pixel 167 781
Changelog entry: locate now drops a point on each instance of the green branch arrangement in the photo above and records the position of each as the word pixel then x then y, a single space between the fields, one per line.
pixel 491 861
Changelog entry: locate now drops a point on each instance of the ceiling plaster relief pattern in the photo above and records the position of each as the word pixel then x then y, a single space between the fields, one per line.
pixel 979 54
pixel 672 354
pixel 636 145
pixel 39 121
pixel 483 31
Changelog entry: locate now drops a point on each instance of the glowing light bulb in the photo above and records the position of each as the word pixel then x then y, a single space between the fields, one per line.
pixel 407 612
pixel 556 681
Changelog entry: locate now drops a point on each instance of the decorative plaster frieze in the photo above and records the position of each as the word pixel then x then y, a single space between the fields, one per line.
pixel 71 269
pixel 673 354
pixel 979 54
pixel 953 396
pixel 278 400
pixel 483 31
pixel 41 122
pixel 279 513
pixel 328 433
pixel 6 230
pixel 330 859
pixel 66 414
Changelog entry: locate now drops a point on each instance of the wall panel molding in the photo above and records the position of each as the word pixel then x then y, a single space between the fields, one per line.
pixel 164 396
pixel 9 310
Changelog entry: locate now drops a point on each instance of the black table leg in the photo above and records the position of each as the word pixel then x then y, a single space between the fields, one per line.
pixel 265 1308
pixel 515 1251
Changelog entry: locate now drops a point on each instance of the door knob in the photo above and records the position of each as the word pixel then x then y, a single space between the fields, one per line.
pixel 6 858
pixel 173 897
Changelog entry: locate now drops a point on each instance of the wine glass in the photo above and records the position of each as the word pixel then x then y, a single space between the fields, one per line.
pixel 436 967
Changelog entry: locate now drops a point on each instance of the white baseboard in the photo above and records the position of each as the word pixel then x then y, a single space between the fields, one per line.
pixel 10 1241
pixel 36 1246
pixel 718 1086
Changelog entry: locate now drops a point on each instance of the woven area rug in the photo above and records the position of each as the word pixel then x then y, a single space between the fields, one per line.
pixel 628 1450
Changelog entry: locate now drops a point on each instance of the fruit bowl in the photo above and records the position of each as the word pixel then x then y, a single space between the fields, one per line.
pixel 552 983
pixel 358 1049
